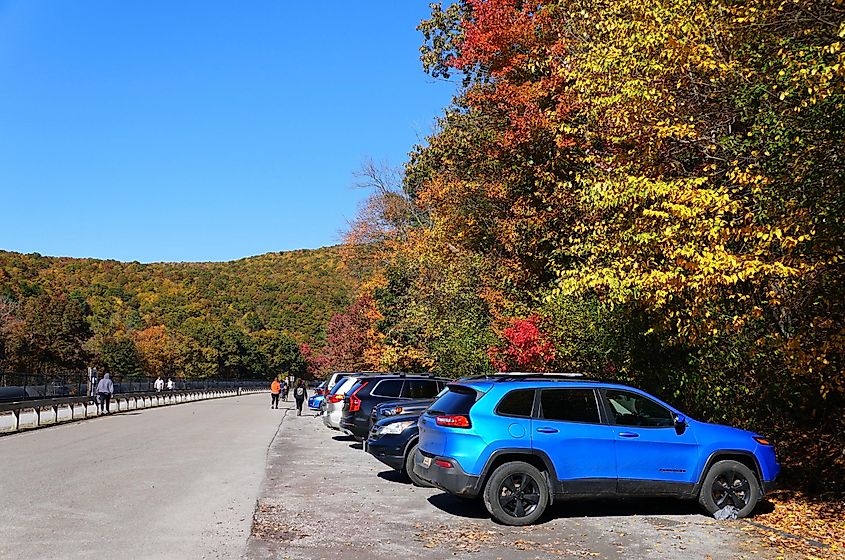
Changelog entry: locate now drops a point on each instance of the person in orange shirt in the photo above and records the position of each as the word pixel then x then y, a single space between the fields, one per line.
pixel 275 389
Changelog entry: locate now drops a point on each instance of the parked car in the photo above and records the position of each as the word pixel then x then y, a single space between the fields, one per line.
pixel 522 441
pixel 334 400
pixel 316 399
pixel 336 377
pixel 393 441
pixel 374 389
pixel 395 408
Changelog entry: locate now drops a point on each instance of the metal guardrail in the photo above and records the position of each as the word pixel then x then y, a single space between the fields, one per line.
pixel 38 413
pixel 21 386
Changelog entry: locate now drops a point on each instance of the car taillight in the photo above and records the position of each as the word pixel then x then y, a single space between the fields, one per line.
pixel 442 463
pixel 355 402
pixel 456 421
pixel 335 398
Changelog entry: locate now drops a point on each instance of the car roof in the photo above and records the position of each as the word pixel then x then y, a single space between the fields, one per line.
pixel 484 384
pixel 400 375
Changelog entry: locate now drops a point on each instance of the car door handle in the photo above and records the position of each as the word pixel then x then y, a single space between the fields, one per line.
pixel 628 434
pixel 547 430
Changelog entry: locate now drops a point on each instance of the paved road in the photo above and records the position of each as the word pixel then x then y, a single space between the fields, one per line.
pixel 171 482
pixel 325 498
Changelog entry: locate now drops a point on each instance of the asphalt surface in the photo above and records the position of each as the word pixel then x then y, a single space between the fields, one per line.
pixel 323 497
pixel 171 482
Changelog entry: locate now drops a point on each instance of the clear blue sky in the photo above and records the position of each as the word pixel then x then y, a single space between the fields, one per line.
pixel 157 130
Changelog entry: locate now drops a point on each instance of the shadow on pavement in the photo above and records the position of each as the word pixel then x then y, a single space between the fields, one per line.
pixel 343 438
pixel 356 445
pixel 616 508
pixel 394 476
pixel 472 509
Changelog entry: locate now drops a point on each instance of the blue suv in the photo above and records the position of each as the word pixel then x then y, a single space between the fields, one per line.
pixel 522 441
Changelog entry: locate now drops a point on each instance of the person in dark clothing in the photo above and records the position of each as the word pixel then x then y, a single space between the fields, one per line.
pixel 299 395
pixel 105 388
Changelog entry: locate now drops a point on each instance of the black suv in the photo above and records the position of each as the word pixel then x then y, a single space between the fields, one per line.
pixel 375 389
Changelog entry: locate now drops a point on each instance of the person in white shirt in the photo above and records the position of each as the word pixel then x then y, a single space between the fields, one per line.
pixel 170 384
pixel 159 385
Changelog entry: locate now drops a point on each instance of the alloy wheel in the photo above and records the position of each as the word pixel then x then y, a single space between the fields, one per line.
pixel 731 488
pixel 519 495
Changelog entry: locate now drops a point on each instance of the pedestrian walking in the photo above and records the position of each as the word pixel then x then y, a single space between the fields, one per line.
pixel 159 384
pixel 284 390
pixel 105 389
pixel 299 395
pixel 275 391
pixel 170 384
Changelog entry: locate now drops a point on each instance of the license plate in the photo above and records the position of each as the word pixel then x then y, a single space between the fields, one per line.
pixel 426 462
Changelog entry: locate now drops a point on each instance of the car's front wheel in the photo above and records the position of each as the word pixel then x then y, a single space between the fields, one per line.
pixel 729 483
pixel 409 468
pixel 516 494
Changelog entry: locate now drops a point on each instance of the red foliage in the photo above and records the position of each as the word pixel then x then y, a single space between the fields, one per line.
pixel 346 338
pixel 499 36
pixel 519 46
pixel 527 347
pixel 314 364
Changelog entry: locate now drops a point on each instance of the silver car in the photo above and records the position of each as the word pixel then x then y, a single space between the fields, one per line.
pixel 334 400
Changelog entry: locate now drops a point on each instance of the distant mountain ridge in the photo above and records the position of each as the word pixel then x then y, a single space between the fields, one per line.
pixel 292 293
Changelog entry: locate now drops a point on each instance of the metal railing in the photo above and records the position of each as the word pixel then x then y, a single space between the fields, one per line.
pixel 23 386
pixel 36 413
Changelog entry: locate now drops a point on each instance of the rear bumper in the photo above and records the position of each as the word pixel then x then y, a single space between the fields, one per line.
pixel 332 419
pixel 452 480
pixel 354 426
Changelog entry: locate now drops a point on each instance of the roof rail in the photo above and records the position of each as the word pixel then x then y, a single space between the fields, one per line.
pixel 536 376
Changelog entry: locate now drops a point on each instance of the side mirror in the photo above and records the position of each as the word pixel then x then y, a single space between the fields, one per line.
pixel 680 424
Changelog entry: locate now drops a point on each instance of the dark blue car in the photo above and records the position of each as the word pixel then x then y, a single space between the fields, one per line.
pixel 393 441
pixel 522 441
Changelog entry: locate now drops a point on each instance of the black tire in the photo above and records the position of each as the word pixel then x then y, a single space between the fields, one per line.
pixel 516 494
pixel 729 483
pixel 409 469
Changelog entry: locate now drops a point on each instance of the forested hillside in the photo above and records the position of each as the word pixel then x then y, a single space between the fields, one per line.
pixel 235 319
pixel 648 191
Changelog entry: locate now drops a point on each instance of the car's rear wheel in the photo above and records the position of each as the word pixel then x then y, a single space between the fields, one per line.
pixel 729 483
pixel 516 494
pixel 409 468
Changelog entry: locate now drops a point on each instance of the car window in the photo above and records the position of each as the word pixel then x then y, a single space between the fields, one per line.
pixel 631 409
pixel 343 387
pixel 456 400
pixel 419 388
pixel 569 405
pixel 387 388
pixel 517 403
pixel 337 385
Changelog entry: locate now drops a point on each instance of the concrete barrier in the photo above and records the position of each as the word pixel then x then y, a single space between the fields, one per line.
pixel 8 421
pixel 64 413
